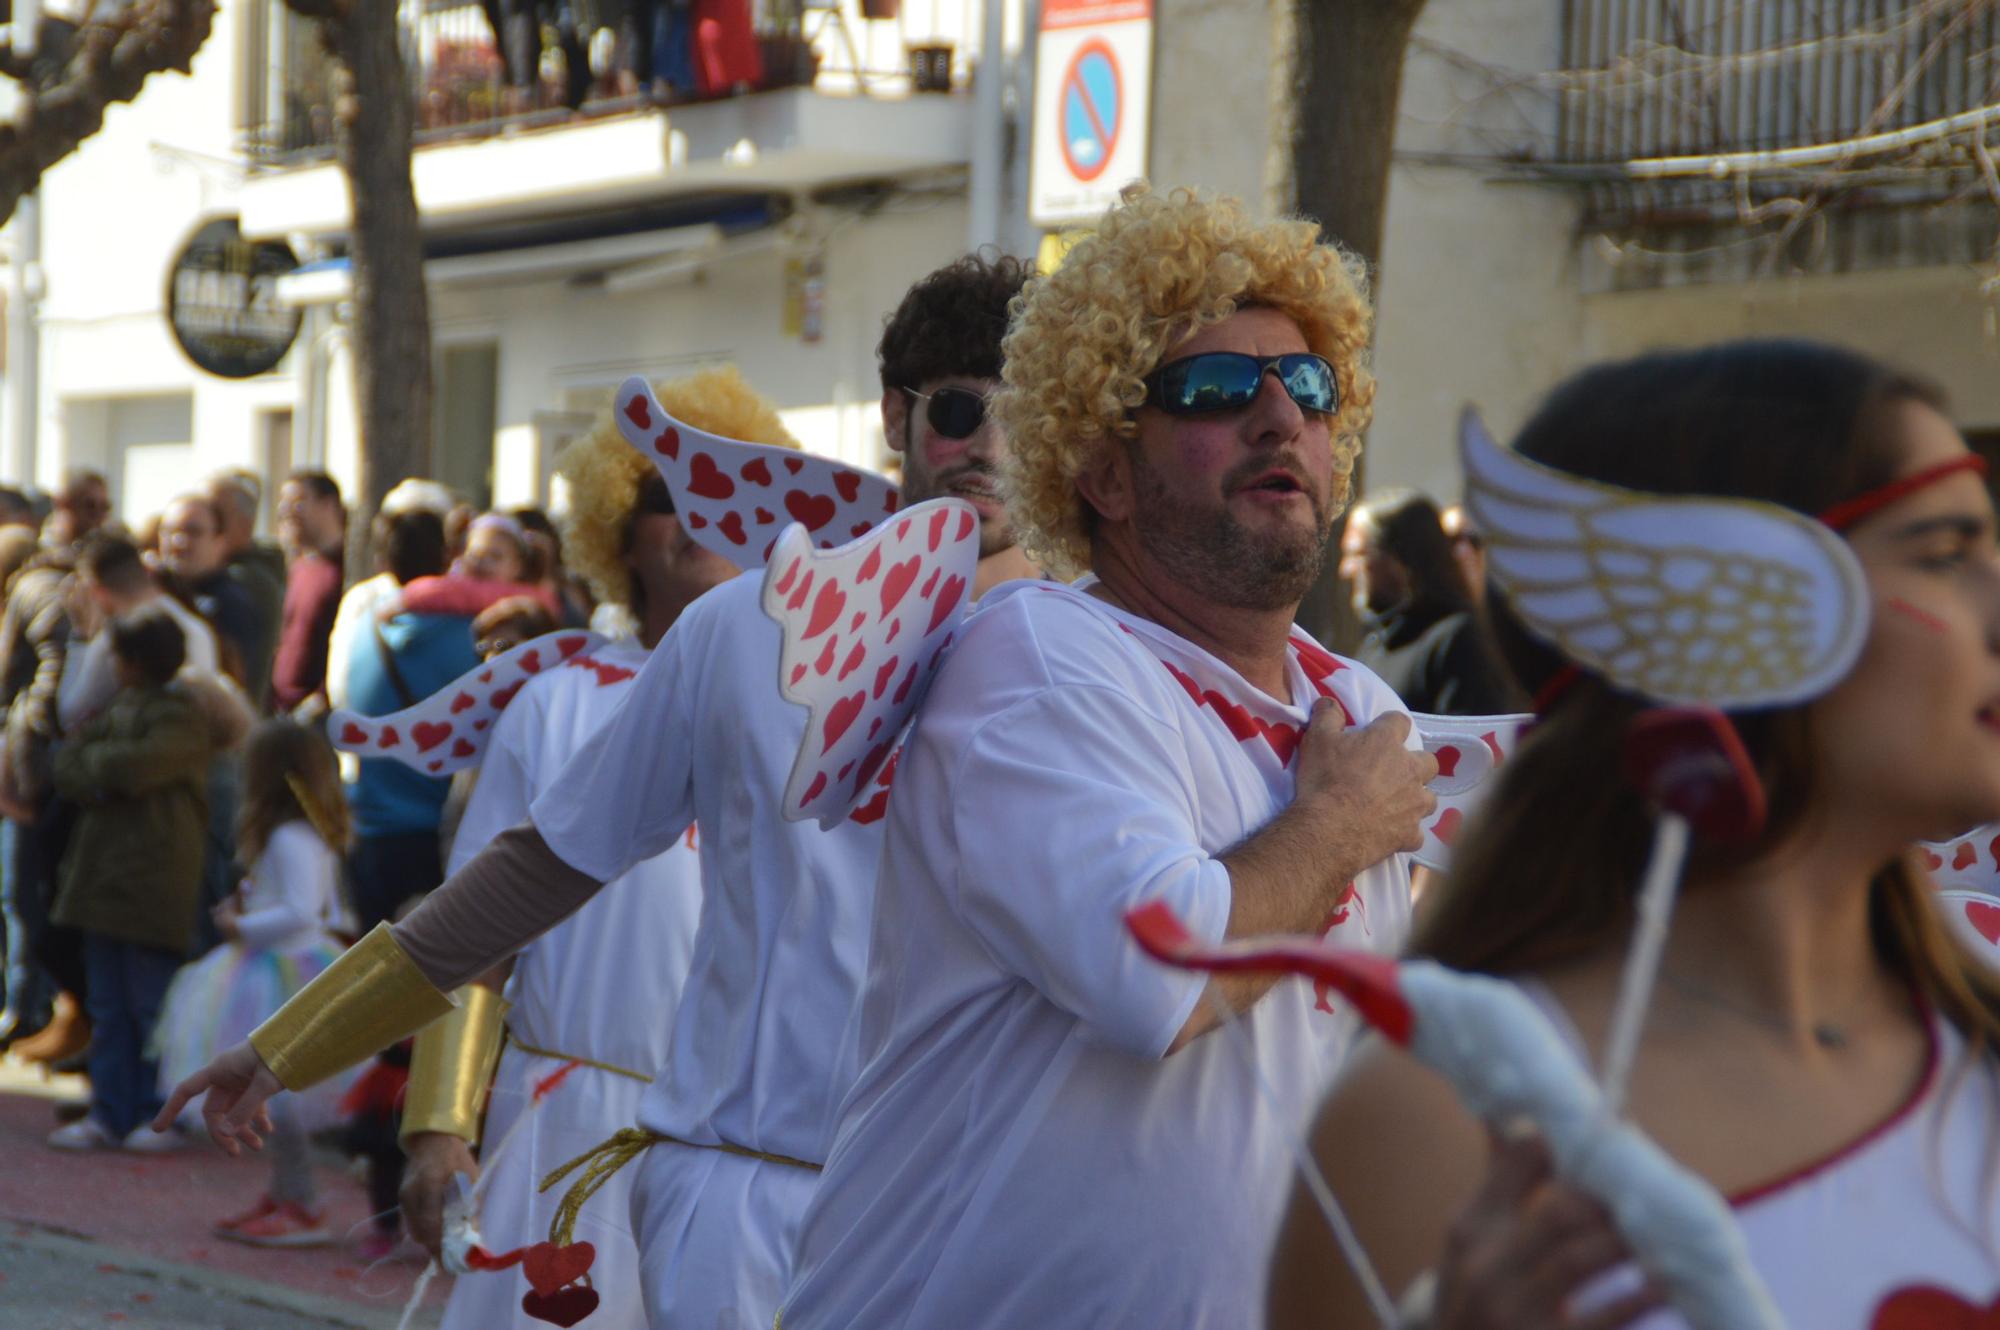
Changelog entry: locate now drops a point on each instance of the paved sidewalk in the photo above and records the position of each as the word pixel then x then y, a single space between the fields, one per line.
pixel 147 1217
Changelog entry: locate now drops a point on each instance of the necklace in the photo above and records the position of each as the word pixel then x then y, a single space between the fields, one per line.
pixel 1829 1035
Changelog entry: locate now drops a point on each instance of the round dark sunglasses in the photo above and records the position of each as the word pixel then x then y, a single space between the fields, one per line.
pixel 954 413
pixel 1226 380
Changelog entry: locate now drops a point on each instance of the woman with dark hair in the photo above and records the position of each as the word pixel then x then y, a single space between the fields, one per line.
pixel 1424 637
pixel 1819 1048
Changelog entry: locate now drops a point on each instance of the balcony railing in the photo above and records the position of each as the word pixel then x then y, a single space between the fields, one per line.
pixel 1873 103
pixel 582 58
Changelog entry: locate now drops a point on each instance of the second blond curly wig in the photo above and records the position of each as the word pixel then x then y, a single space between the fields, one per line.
pixel 604 472
pixel 1157 269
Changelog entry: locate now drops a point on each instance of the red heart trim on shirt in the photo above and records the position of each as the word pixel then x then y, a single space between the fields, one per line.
pixel 798 673
pixel 938 519
pixel 798 597
pixel 1932 861
pixel 1985 918
pixel 697 521
pixel 1926 1307
pixel 848 484
pixel 636 411
pixel 429 734
pixel 1447 760
pixel 463 702
pixel 731 526
pixel 765 517
pixel 965 525
pixel 874 727
pixel 1966 856
pixel 388 738
pixel 852 663
pixel 815 510
pixel 1447 825
pixel 854 624
pixel 502 696
pixel 353 734
pixel 569 646
pixel 549 1267
pixel 757 472
pixel 564 1307
pixel 794 465
pixel 785 582
pixel 860 529
pixel 825 661
pixel 705 479
pixel 668 445
pixel 840 717
pixel 463 748
pixel 479 724
pixel 894 628
pixel 813 790
pixel 869 566
pixel 531 661
pixel 873 810
pixel 909 682
pixel 873 761
pixel 930 583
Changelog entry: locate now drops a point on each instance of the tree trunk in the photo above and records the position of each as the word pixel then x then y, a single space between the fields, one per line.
pixel 1345 85
pixel 374 116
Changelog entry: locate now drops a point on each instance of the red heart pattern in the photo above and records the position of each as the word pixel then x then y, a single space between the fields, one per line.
pixel 549 1267
pixel 724 488
pixel 1984 916
pixel 1468 749
pixel 840 664
pixel 1968 863
pixel 462 712
pixel 565 1307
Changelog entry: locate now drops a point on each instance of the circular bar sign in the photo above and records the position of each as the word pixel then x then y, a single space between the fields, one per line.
pixel 222 301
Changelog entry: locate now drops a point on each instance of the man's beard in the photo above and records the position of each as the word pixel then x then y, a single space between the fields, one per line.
pixel 996 534
pixel 1210 551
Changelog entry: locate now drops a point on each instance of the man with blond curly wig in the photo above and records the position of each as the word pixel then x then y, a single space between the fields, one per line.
pixel 734 1130
pixel 603 987
pixel 1046 1130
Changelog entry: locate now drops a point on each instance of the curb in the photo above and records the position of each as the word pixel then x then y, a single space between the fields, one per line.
pixel 26 1236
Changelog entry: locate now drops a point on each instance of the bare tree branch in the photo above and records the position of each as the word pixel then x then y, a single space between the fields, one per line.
pixel 108 62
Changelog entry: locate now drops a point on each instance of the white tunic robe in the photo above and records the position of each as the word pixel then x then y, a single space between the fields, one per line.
pixel 1019 1150
pixel 603 985
pixel 756 1059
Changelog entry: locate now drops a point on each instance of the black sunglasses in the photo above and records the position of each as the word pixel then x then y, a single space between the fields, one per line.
pixel 954 413
pixel 1226 380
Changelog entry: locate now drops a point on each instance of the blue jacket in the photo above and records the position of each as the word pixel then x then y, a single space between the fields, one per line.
pixel 431 650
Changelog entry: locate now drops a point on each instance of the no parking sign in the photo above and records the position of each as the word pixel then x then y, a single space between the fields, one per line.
pixel 1093 99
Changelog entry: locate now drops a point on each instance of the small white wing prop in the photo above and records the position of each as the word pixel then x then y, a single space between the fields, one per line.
pixel 1719 602
pixel 734 497
pixel 1505 1060
pixel 865 626
pixel 447 731
pixel 1468 749
pixel 1969 863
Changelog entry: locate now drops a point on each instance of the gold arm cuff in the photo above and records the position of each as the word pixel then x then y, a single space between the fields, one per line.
pixel 452 1065
pixel 371 997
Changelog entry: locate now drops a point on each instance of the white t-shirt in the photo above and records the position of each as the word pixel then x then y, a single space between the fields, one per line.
pixel 704 736
pixel 604 983
pixel 1017 1149
pixel 291 896
pixel 90 673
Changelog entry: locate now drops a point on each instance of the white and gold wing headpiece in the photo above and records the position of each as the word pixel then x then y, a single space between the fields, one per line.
pixel 1686 600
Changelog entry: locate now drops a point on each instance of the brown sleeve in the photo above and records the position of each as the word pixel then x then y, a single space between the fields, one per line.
pixel 509 894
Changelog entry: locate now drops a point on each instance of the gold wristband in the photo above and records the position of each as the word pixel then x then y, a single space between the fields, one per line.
pixel 371 997
pixel 452 1063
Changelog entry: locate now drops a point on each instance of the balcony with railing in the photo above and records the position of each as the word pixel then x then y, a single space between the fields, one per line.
pixel 1845 133
pixel 718 94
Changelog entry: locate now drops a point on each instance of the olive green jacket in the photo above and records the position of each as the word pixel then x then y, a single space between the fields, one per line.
pixel 138 773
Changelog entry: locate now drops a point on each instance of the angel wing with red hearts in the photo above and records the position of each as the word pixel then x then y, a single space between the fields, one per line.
pixel 447 731
pixel 865 626
pixel 1975 917
pixel 1967 863
pixel 1468 749
pixel 734 497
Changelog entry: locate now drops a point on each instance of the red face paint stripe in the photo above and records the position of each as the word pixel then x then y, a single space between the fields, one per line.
pixel 1923 617
pixel 1844 515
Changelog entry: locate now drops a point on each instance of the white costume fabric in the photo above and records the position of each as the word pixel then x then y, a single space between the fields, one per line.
pixel 756 1056
pixel 1019 1150
pixel 602 986
pixel 1899 1230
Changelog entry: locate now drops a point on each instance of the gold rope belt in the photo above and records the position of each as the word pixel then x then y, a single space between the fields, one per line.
pixel 603 1160
pixel 639 1076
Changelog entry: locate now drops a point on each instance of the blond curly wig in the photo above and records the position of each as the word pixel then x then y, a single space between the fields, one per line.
pixel 1156 270
pixel 604 472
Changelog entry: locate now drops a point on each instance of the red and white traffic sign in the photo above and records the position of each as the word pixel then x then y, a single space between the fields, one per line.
pixel 1093 102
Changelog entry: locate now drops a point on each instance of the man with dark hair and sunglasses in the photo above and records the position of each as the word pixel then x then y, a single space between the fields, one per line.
pixel 733 1131
pixel 1046 1128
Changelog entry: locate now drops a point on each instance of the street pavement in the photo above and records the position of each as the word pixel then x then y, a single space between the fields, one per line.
pixel 116 1239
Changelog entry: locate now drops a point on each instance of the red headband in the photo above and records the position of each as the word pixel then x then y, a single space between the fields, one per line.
pixel 1844 515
